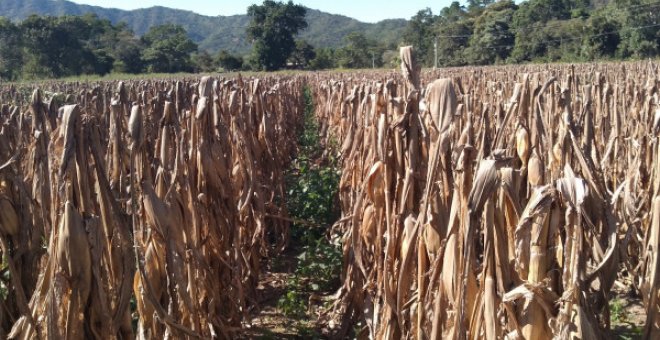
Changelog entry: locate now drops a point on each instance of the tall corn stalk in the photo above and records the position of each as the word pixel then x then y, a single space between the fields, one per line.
pixel 492 202
pixel 168 192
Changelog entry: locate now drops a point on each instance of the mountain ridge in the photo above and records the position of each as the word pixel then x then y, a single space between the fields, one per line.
pixel 211 33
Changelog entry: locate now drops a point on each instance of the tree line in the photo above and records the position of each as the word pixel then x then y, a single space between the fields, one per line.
pixel 54 47
pixel 481 32
pixel 484 32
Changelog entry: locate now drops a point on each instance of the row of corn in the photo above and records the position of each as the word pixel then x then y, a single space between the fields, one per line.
pixel 495 203
pixel 141 209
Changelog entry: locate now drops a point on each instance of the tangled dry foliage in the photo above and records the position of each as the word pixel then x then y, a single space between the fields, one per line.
pixel 168 192
pixel 495 203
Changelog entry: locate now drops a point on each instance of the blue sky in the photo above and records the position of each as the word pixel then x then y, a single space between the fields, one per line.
pixel 363 10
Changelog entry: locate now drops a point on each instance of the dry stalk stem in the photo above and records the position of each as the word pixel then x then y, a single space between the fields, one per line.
pixel 166 191
pixel 502 197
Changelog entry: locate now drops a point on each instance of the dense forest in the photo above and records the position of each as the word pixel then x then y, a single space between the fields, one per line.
pixel 480 32
pixel 485 32
pixel 53 47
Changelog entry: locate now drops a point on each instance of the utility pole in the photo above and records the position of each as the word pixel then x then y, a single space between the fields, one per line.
pixel 373 60
pixel 435 52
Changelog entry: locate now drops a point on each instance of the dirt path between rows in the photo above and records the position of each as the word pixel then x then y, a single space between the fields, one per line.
pixel 268 322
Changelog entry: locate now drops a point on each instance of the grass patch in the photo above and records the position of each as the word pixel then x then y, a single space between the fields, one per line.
pixel 623 322
pixel 90 78
pixel 617 311
pixel 312 183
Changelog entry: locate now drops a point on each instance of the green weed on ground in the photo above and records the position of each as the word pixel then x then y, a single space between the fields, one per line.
pixel 312 183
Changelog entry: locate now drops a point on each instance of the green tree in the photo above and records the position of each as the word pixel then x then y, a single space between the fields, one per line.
pixel 391 59
pixel 603 35
pixel 53 47
pixel 359 52
pixel 303 54
pixel 453 39
pixel 565 41
pixel 453 29
pixel 419 33
pixel 325 59
pixel 229 62
pixel 640 36
pixel 93 39
pixel 537 24
pixel 73 45
pixel 127 51
pixel 534 46
pixel 476 7
pixel 168 49
pixel 272 28
pixel 492 40
pixel 108 45
pixel 203 62
pixel 533 14
pixel 10 50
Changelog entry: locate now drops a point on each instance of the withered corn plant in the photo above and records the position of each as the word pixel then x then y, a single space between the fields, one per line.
pixel 494 203
pixel 166 192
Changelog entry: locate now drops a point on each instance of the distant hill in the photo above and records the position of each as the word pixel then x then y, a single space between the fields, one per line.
pixel 211 33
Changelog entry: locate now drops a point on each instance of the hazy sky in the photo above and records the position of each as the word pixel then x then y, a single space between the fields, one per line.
pixel 363 10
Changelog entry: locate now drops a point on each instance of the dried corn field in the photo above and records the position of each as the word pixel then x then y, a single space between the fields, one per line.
pixel 159 191
pixel 497 203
